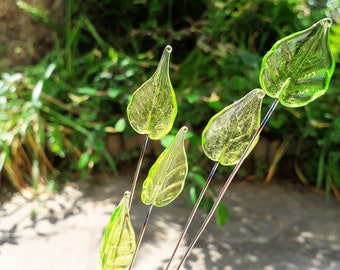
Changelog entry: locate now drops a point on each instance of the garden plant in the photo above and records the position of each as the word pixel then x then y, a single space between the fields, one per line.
pixel 75 98
pixel 295 71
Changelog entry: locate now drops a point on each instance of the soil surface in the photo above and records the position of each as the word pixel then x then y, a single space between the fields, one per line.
pixel 270 227
pixel 24 39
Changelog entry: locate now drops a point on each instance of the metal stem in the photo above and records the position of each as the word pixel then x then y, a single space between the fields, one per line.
pixel 141 234
pixel 193 212
pixel 227 183
pixel 139 164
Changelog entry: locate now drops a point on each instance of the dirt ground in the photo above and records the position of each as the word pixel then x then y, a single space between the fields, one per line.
pixel 270 227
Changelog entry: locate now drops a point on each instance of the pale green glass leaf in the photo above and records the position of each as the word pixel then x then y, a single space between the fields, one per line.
pixel 229 132
pixel 119 242
pixel 298 68
pixel 153 108
pixel 166 177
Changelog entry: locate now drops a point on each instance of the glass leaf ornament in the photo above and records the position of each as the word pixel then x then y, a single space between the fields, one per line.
pixel 166 177
pixel 298 68
pixel 229 132
pixel 153 108
pixel 119 242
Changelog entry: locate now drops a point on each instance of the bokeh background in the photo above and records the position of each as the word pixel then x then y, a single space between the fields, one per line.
pixel 68 69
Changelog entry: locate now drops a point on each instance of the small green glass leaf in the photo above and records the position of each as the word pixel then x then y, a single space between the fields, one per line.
pixel 166 177
pixel 153 108
pixel 298 68
pixel 229 132
pixel 119 242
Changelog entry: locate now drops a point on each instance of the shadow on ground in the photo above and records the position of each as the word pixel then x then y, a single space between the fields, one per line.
pixel 271 227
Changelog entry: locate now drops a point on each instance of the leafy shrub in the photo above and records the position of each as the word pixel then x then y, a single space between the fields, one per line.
pixel 106 48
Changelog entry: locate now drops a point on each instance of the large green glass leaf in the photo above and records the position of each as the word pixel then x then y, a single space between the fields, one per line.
pixel 166 177
pixel 153 108
pixel 298 68
pixel 229 132
pixel 119 242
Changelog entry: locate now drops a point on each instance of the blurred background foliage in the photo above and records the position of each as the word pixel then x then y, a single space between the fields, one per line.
pixel 58 116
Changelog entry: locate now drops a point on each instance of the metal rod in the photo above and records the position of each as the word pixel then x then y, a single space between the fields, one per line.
pixel 141 234
pixel 193 212
pixel 139 164
pixel 227 183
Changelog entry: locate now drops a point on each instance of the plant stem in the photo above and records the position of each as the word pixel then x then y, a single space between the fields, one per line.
pixel 193 212
pixel 139 164
pixel 141 235
pixel 227 183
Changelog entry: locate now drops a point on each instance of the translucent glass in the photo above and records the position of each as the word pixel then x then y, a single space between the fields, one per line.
pixel 298 68
pixel 153 108
pixel 166 177
pixel 119 243
pixel 229 132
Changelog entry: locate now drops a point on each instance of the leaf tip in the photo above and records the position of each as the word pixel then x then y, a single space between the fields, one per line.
pixel 127 194
pixel 184 129
pixel 260 93
pixel 326 22
pixel 168 49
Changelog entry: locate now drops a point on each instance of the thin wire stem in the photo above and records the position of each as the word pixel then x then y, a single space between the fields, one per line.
pixel 193 212
pixel 139 164
pixel 141 234
pixel 227 183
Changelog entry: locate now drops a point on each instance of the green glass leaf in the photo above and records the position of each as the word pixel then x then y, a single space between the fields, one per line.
pixel 229 132
pixel 298 68
pixel 119 242
pixel 153 108
pixel 166 177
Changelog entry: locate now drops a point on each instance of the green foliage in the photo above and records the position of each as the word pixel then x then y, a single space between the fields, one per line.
pixel 54 129
pixel 106 48
pixel 25 140
pixel 319 135
pixel 222 215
